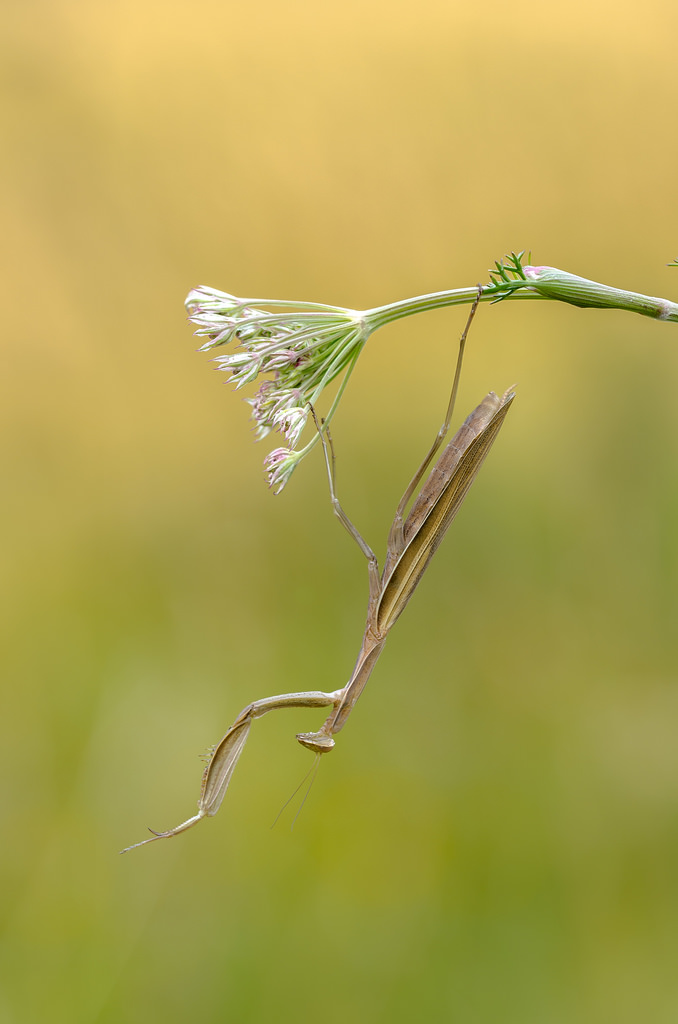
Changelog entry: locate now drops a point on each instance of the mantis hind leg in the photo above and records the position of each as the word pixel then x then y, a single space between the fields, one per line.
pixel 396 540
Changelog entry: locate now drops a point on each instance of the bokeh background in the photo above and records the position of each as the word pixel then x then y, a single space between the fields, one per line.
pixel 496 835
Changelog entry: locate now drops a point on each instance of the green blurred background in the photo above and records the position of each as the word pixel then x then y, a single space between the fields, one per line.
pixel 496 836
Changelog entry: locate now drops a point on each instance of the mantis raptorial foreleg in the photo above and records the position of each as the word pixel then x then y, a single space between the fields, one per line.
pixel 225 755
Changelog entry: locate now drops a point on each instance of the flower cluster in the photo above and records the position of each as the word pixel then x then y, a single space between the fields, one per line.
pixel 298 348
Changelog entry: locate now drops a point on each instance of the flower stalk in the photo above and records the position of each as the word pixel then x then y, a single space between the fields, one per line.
pixel 296 349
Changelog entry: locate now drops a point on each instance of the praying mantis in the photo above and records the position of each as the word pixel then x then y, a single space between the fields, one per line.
pixel 412 542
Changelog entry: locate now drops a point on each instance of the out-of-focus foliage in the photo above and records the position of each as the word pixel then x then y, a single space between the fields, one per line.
pixel 495 836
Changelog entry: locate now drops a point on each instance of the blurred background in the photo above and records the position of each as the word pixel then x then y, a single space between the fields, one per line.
pixel 495 836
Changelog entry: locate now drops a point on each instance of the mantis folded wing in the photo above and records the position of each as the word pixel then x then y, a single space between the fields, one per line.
pixel 412 543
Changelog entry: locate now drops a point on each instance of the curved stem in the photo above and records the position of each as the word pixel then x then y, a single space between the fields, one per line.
pixel 380 315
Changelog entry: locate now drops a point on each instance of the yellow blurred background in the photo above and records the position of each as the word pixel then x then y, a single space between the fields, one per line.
pixel 495 837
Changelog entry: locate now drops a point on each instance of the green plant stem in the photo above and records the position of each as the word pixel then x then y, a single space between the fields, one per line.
pixel 539 283
pixel 381 315
pixel 579 291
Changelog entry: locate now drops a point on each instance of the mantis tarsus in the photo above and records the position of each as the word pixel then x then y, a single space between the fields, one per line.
pixel 412 542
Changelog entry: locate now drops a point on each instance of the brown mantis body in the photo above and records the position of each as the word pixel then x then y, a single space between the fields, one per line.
pixel 412 543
